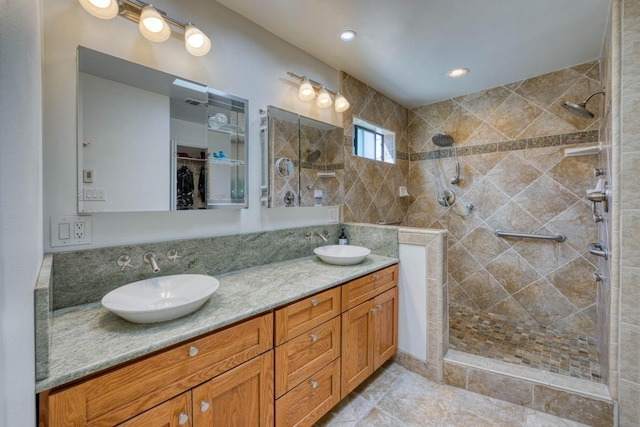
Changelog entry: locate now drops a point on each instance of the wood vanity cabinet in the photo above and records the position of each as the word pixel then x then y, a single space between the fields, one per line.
pixel 369 325
pixel 307 358
pixel 226 363
pixel 325 345
pixel 319 361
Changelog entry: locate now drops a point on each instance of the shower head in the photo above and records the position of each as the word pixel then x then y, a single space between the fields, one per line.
pixel 312 156
pixel 581 108
pixel 578 109
pixel 442 139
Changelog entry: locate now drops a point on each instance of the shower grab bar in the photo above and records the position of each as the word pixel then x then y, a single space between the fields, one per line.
pixel 557 237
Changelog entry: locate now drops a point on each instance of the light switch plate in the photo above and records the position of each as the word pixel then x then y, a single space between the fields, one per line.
pixel 334 214
pixel 70 230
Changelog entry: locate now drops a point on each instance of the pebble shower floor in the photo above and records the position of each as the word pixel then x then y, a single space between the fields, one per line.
pixel 497 337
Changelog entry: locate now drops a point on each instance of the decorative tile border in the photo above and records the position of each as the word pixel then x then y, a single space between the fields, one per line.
pixel 320 167
pixel 518 144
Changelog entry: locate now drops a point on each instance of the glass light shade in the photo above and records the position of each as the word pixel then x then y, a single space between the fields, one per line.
pixel 348 35
pixel 195 41
pixel 324 99
pixel 152 26
pixel 341 103
pixel 307 92
pixel 103 9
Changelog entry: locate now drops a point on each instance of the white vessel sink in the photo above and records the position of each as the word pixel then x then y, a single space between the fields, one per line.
pixel 341 254
pixel 160 298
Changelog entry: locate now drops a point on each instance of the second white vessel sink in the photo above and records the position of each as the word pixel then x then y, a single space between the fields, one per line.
pixel 159 299
pixel 341 254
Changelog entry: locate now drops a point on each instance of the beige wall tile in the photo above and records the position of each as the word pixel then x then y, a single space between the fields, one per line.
pixel 575 407
pixel 629 408
pixel 629 352
pixel 500 387
pixel 630 289
pixel 630 244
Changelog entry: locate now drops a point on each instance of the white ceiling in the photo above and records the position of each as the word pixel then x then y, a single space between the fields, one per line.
pixel 405 48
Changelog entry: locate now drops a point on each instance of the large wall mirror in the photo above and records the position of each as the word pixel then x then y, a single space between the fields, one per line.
pixel 151 141
pixel 303 161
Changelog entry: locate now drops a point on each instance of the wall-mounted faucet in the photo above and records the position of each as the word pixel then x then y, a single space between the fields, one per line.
pixel 324 236
pixel 150 258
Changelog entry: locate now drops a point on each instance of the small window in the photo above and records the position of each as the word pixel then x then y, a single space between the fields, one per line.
pixel 373 142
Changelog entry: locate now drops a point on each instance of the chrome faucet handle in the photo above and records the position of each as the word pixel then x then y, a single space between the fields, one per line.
pixel 172 255
pixel 124 261
pixel 307 236
pixel 326 234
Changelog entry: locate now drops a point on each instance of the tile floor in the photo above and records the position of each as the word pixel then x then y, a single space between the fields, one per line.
pixel 394 396
pixel 498 337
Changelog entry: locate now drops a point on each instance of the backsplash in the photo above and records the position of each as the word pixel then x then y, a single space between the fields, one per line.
pixel 81 277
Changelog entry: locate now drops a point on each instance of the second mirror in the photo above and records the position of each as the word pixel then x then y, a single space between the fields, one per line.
pixel 303 161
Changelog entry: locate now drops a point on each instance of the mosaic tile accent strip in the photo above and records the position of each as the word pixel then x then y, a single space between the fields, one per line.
pixel 522 343
pixel 585 137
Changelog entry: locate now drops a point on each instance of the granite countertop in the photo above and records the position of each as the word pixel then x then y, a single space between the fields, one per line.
pixel 89 338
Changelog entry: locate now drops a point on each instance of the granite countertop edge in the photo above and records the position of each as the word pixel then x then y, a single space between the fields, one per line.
pixel 89 339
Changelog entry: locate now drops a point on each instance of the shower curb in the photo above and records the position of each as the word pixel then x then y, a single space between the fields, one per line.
pixel 571 398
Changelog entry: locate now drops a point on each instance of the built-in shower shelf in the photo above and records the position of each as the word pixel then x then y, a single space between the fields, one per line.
pixel 326 174
pixel 582 151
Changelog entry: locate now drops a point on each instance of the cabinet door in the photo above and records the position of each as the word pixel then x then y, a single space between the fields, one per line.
pixel 357 351
pixel 385 319
pixel 172 413
pixel 241 397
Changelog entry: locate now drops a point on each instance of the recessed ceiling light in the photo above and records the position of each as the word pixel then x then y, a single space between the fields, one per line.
pixel 348 35
pixel 456 73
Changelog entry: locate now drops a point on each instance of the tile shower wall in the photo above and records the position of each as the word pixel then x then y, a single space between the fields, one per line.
pixel 371 187
pixel 511 141
pixel 625 215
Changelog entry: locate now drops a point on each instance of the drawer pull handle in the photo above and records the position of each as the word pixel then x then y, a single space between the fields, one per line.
pixel 373 310
pixel 379 307
pixel 183 418
pixel 376 276
pixel 204 406
pixel 314 338
pixel 314 384
pixel 193 350
pixel 314 302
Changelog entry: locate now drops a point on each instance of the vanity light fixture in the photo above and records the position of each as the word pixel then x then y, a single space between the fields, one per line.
pixel 308 90
pixel 103 9
pixel 324 99
pixel 154 24
pixel 456 73
pixel 341 103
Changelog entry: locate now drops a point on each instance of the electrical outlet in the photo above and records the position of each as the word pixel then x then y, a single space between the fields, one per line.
pixel 70 230
pixel 78 228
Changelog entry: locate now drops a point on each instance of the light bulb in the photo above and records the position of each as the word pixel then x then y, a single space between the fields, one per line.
pixel 152 26
pixel 324 99
pixel 195 41
pixel 307 92
pixel 103 9
pixel 341 103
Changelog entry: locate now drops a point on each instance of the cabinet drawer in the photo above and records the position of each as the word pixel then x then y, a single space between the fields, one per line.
pixel 172 413
pixel 305 354
pixel 311 399
pixel 117 395
pixel 366 287
pixel 303 315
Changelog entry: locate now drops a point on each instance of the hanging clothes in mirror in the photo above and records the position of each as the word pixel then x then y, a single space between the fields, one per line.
pixel 185 188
